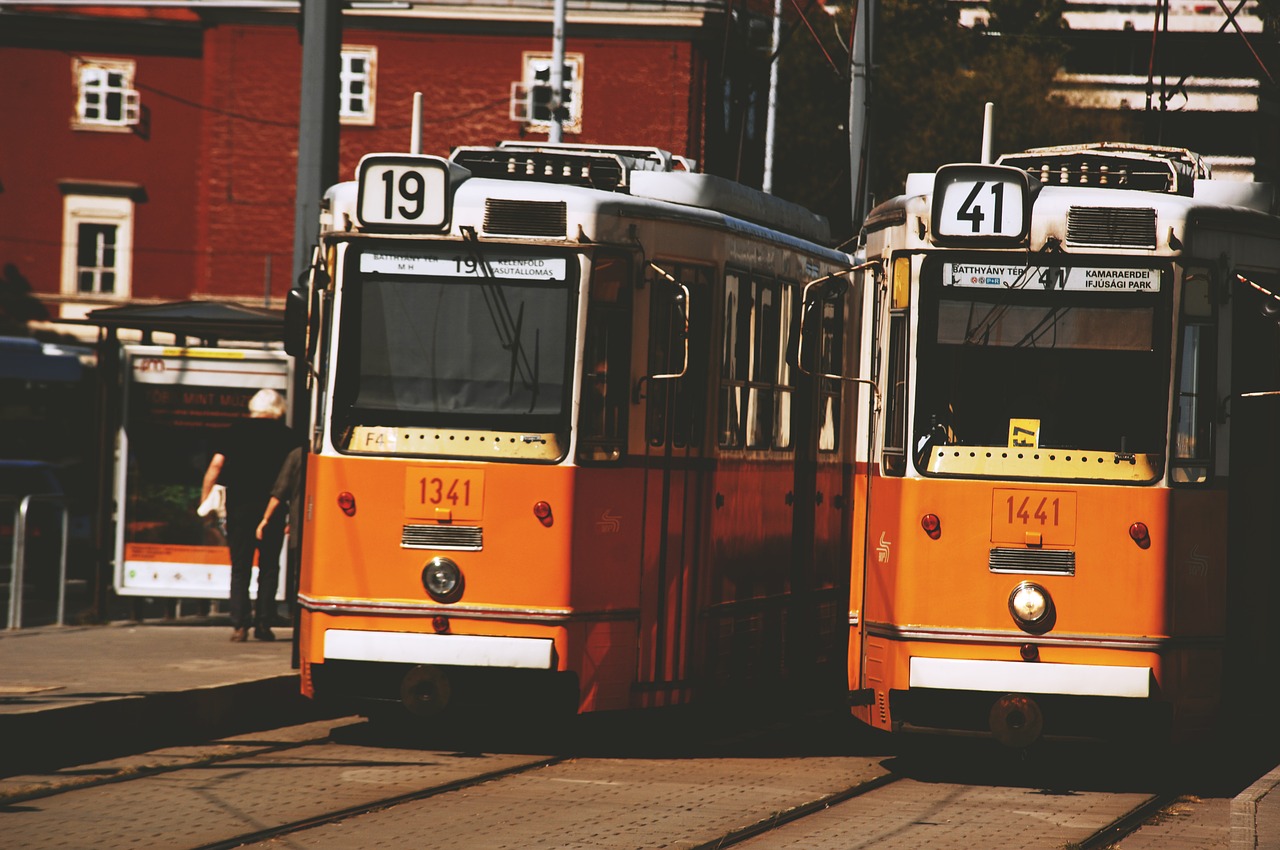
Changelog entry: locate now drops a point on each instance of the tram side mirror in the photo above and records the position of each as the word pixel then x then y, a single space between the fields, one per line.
pixel 295 323
pixel 825 290
pixel 677 336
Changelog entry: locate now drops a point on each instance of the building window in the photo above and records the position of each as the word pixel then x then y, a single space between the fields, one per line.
pixel 105 96
pixel 97 245
pixel 357 78
pixel 531 97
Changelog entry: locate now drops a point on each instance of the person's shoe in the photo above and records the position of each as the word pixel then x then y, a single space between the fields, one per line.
pixel 239 635
pixel 263 633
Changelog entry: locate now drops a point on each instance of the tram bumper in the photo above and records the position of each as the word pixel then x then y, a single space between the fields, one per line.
pixel 1018 703
pixel 371 670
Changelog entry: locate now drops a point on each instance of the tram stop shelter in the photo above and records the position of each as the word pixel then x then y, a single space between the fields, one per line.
pixel 193 324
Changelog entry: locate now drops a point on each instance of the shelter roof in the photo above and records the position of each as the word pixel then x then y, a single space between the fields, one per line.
pixel 202 319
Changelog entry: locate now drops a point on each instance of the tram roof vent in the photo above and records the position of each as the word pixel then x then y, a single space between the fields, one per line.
pixel 1114 165
pixel 606 167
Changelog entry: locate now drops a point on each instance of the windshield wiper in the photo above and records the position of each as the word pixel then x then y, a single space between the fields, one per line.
pixel 1052 277
pixel 506 328
pixel 1033 336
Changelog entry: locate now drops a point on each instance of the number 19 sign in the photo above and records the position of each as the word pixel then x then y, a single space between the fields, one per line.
pixel 403 192
pixel 985 205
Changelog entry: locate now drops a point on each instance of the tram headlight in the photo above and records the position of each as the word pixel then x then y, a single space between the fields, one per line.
pixel 442 580
pixel 1031 607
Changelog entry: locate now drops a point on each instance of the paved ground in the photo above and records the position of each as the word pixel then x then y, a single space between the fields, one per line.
pixel 70 694
pixel 77 694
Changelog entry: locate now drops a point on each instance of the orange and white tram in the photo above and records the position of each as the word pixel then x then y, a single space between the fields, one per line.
pixel 558 446
pixel 1071 500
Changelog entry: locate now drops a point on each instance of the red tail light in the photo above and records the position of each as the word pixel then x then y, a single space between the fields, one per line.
pixel 347 502
pixel 932 526
pixel 1138 531
pixel 542 510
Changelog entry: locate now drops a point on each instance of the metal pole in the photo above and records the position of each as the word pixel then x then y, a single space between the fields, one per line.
pixel 986 131
pixel 62 562
pixel 19 565
pixel 771 119
pixel 556 133
pixel 859 86
pixel 415 137
pixel 317 122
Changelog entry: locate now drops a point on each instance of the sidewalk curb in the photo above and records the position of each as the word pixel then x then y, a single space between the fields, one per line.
pixel 1255 814
pixel 109 728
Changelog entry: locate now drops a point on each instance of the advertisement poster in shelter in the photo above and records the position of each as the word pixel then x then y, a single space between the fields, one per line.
pixel 176 400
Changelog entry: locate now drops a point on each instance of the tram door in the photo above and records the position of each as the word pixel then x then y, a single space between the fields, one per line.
pixel 822 494
pixel 675 480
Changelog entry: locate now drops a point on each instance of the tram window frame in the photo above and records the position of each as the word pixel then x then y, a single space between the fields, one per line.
pixel 894 451
pixel 607 342
pixel 753 362
pixel 347 375
pixel 684 398
pixel 1130 377
pixel 830 360
pixel 1196 383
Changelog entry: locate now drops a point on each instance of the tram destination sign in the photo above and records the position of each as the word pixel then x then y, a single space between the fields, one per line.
pixel 1070 278
pixel 464 264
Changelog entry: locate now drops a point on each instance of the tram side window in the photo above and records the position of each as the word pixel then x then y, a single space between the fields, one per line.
pixel 1193 416
pixel 895 412
pixel 606 361
pixel 677 407
pixel 831 364
pixel 753 341
pixel 790 325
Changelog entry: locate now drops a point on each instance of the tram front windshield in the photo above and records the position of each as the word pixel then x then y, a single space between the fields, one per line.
pixel 1077 356
pixel 450 337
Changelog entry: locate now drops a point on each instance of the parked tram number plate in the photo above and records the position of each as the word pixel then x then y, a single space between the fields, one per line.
pixel 1033 517
pixel 443 494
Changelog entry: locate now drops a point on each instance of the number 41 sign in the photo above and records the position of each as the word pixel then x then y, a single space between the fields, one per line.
pixel 982 205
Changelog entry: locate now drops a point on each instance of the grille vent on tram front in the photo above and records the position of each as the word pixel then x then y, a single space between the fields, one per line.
pixel 469 537
pixel 1112 227
pixel 1044 561
pixel 526 218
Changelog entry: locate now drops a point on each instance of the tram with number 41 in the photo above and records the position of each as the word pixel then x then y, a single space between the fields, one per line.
pixel 1072 485
pixel 572 435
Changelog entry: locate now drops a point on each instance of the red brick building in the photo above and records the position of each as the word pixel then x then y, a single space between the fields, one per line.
pixel 150 153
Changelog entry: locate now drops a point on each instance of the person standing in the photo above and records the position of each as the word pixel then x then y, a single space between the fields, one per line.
pixel 245 460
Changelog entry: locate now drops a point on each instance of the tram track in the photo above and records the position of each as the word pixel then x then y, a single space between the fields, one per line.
pixel 765 788
pixel 373 806
pixel 25 788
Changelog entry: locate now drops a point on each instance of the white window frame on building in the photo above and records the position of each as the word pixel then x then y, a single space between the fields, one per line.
pixel 536 63
pixel 357 77
pixel 106 99
pixel 97 238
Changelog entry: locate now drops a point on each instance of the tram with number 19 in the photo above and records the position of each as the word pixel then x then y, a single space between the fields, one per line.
pixel 1072 493
pixel 573 435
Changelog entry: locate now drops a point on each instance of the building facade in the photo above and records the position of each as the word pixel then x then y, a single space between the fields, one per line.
pixel 153 154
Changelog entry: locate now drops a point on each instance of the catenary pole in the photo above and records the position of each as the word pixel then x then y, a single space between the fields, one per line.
pixel 556 134
pixel 317 123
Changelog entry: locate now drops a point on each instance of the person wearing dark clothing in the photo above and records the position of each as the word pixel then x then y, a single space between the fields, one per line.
pixel 246 459
pixel 285 491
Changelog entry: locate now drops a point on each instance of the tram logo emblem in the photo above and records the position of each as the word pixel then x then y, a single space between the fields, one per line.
pixel 609 523
pixel 882 550
pixel 1197 564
